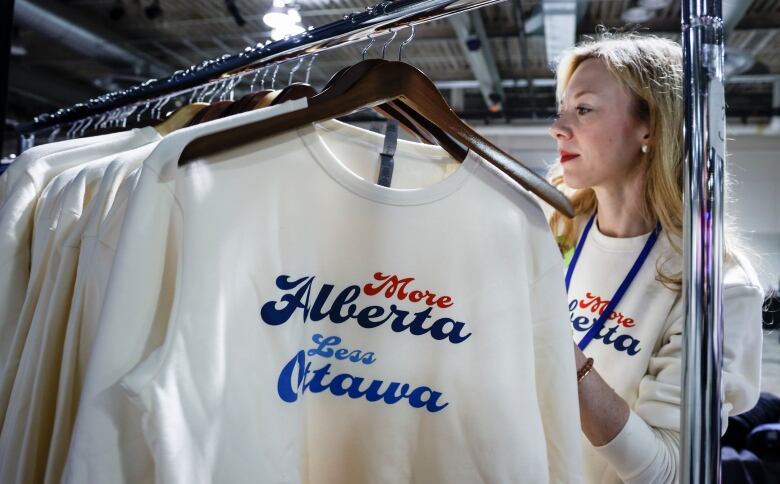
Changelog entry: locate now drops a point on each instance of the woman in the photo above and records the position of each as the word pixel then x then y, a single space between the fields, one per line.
pixel 619 133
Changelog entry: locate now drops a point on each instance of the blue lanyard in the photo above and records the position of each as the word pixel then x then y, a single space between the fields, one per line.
pixel 594 330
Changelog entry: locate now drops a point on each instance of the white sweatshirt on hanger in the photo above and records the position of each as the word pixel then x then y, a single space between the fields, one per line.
pixel 639 352
pixel 104 416
pixel 462 358
pixel 91 280
pixel 17 169
pixel 18 299
pixel 27 431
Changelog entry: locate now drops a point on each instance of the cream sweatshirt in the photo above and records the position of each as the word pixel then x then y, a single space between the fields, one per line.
pixel 638 352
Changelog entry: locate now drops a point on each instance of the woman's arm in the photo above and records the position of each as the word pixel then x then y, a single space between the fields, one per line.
pixel 643 444
pixel 603 414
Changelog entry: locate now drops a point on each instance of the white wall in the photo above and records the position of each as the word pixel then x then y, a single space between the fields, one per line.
pixel 754 171
pixel 753 168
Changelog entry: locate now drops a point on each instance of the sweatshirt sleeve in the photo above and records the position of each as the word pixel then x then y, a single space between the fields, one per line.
pixel 556 384
pixel 647 448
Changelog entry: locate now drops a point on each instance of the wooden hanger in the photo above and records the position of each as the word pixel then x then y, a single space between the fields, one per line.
pixel 388 81
pixel 391 109
pixel 246 102
pixel 180 118
pixel 214 111
pixel 296 90
pixel 267 100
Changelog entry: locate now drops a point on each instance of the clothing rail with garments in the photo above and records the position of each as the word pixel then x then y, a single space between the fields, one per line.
pixel 337 378
pixel 196 297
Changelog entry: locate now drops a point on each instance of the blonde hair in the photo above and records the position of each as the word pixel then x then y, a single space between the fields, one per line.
pixel 651 68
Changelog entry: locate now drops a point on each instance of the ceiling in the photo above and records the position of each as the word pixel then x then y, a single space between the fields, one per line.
pixel 47 74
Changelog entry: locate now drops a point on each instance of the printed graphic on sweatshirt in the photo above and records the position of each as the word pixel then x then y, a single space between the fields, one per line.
pixel 317 302
pixel 584 313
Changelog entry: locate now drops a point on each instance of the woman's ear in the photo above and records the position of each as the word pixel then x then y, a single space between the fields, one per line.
pixel 645 136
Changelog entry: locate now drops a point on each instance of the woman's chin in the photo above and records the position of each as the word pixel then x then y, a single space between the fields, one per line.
pixel 573 181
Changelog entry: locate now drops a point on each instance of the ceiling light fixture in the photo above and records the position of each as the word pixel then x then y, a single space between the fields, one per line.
pixel 284 21
pixel 278 16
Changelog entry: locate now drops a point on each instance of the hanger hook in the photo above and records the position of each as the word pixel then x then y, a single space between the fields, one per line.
pixel 308 68
pixel 273 76
pixel 54 133
pixel 167 101
pixel 226 84
pixel 292 71
pixel 227 90
pixel 405 43
pixel 138 116
pixel 392 38
pixel 70 130
pixel 254 80
pixel 193 94
pixel 128 112
pixel 224 89
pixel 213 92
pixel 202 94
pixel 83 129
pixel 262 81
pixel 371 41
pixel 237 83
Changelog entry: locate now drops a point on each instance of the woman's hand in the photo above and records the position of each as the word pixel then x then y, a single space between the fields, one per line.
pixel 603 414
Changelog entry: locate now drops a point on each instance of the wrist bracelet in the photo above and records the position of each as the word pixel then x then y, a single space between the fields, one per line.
pixel 583 372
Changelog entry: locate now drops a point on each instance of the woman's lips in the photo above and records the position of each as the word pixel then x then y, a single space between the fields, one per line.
pixel 567 157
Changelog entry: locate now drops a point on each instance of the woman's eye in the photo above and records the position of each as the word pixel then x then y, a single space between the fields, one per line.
pixel 583 110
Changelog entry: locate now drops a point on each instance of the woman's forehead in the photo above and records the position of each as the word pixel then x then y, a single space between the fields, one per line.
pixel 591 77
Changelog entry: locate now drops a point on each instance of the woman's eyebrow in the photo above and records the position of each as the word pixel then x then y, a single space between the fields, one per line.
pixel 579 93
pixel 582 93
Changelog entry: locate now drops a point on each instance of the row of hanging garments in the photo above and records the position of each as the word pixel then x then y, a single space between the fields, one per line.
pixel 252 291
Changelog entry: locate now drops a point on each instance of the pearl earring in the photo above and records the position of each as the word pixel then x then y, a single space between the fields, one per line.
pixel 644 148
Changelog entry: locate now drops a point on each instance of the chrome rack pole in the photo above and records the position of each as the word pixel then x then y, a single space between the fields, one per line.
pixel 352 28
pixel 704 142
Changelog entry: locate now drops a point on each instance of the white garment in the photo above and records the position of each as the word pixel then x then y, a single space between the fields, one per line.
pixel 27 430
pixel 104 417
pixel 18 299
pixel 91 280
pixel 638 352
pixel 263 228
pixel 17 169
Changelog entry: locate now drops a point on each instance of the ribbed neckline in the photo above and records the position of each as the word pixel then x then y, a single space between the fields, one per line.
pixel 617 244
pixel 391 196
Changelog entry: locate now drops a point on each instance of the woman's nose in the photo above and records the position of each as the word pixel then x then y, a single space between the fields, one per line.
pixel 558 130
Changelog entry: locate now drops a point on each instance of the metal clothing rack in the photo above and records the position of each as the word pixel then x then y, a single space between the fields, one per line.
pixel 705 149
pixel 704 146
pixel 352 28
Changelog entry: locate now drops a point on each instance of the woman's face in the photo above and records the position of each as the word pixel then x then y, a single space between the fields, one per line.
pixel 599 137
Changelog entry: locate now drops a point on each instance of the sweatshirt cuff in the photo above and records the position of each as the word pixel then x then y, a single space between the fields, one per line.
pixel 629 453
